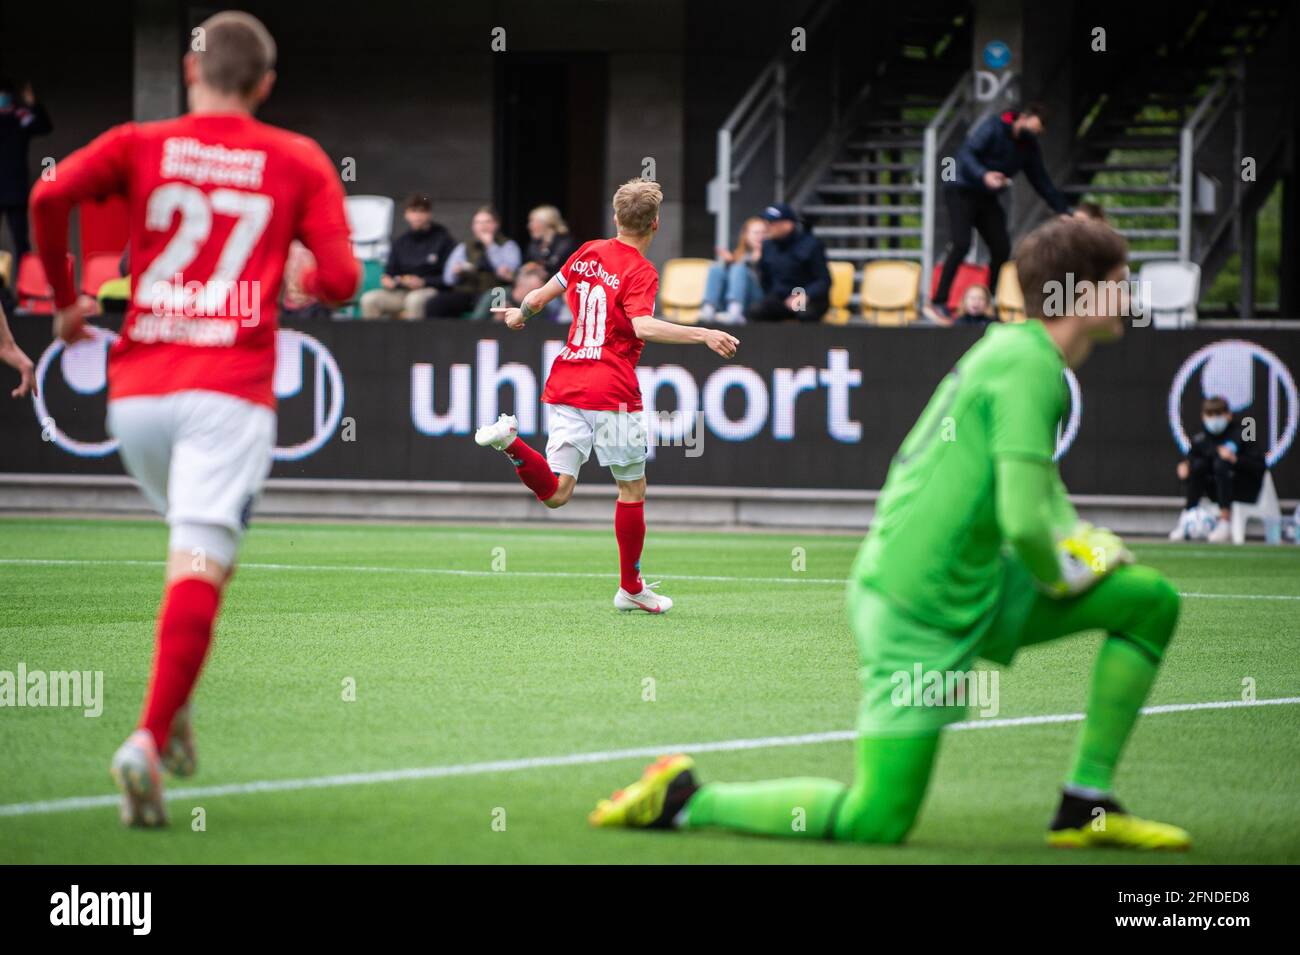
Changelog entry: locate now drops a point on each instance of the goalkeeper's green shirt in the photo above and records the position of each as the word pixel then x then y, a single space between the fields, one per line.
pixel 934 548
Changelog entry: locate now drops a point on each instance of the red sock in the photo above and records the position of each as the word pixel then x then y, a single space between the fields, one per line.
pixel 532 469
pixel 629 528
pixel 185 620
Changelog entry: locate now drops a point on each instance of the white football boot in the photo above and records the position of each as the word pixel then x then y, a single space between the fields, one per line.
pixel 179 757
pixel 1185 527
pixel 1221 534
pixel 136 770
pixel 500 434
pixel 646 600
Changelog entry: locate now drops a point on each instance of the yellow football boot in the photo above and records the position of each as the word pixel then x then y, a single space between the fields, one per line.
pixel 1103 824
pixel 653 800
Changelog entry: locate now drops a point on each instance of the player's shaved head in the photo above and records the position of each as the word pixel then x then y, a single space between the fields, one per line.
pixel 636 206
pixel 1062 247
pixel 234 53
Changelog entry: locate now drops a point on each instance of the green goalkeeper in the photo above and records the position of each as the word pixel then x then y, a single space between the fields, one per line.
pixel 975 551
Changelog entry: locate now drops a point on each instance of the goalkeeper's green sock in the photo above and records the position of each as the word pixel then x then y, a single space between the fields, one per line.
pixel 1121 679
pixel 802 808
pixel 881 806
pixel 1139 610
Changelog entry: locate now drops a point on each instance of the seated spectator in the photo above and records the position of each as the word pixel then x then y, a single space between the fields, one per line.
pixel 1221 464
pixel 489 260
pixel 976 307
pixel 733 282
pixel 295 302
pixel 792 271
pixel 414 273
pixel 531 276
pixel 549 243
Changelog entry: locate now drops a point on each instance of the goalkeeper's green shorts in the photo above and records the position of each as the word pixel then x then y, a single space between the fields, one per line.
pixel 917 678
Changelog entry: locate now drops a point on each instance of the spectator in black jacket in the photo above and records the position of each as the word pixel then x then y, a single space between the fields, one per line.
pixel 413 275
pixel 1221 464
pixel 21 118
pixel 791 270
pixel 999 147
pixel 549 241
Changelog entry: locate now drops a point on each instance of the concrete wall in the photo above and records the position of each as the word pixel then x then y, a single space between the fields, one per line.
pixel 408 90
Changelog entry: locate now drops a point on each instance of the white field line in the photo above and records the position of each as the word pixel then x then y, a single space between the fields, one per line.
pixel 453 572
pixel 576 759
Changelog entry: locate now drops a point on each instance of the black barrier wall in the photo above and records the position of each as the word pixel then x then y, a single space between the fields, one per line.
pixel 800 407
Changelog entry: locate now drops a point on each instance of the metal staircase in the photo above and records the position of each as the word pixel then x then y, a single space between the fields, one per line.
pixel 857 146
pixel 1159 149
pixel 1136 155
pixel 857 179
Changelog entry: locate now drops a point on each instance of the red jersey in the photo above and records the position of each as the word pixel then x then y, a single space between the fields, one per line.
pixel 608 283
pixel 214 201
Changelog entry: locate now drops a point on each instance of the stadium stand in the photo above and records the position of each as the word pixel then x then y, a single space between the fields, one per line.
pixel 33 288
pixel 842 274
pixel 1266 508
pixel 889 291
pixel 681 289
pixel 1170 291
pixel 98 268
pixel 1009 297
pixel 371 219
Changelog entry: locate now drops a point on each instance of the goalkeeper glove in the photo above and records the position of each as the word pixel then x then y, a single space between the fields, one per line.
pixel 1085 557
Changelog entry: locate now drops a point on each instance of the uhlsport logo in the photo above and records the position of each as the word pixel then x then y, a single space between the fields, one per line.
pixel 1254 382
pixel 303 367
pixel 1068 430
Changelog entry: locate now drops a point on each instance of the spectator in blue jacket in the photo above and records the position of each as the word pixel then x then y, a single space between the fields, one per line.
pixel 999 147
pixel 21 118
pixel 791 270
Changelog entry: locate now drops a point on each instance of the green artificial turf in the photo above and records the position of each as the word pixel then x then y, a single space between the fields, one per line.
pixel 522 655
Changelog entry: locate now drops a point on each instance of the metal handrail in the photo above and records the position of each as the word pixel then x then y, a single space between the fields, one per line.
pixel 742 135
pixel 1190 136
pixel 940 122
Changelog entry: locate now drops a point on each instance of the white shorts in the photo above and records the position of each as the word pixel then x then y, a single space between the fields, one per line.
pixel 619 438
pixel 199 456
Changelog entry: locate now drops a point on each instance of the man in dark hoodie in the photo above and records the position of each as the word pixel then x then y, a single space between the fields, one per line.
pixel 1000 146
pixel 21 118
pixel 791 270
pixel 413 274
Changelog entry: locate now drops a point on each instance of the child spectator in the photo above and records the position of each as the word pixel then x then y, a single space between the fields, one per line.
pixel 532 275
pixel 1223 464
pixel 976 307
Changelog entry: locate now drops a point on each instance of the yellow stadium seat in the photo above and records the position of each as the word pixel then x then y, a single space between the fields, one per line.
pixel 841 292
pixel 889 291
pixel 1009 296
pixel 681 289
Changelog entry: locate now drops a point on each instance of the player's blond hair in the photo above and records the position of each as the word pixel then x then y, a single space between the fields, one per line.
pixel 636 205
pixel 236 51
